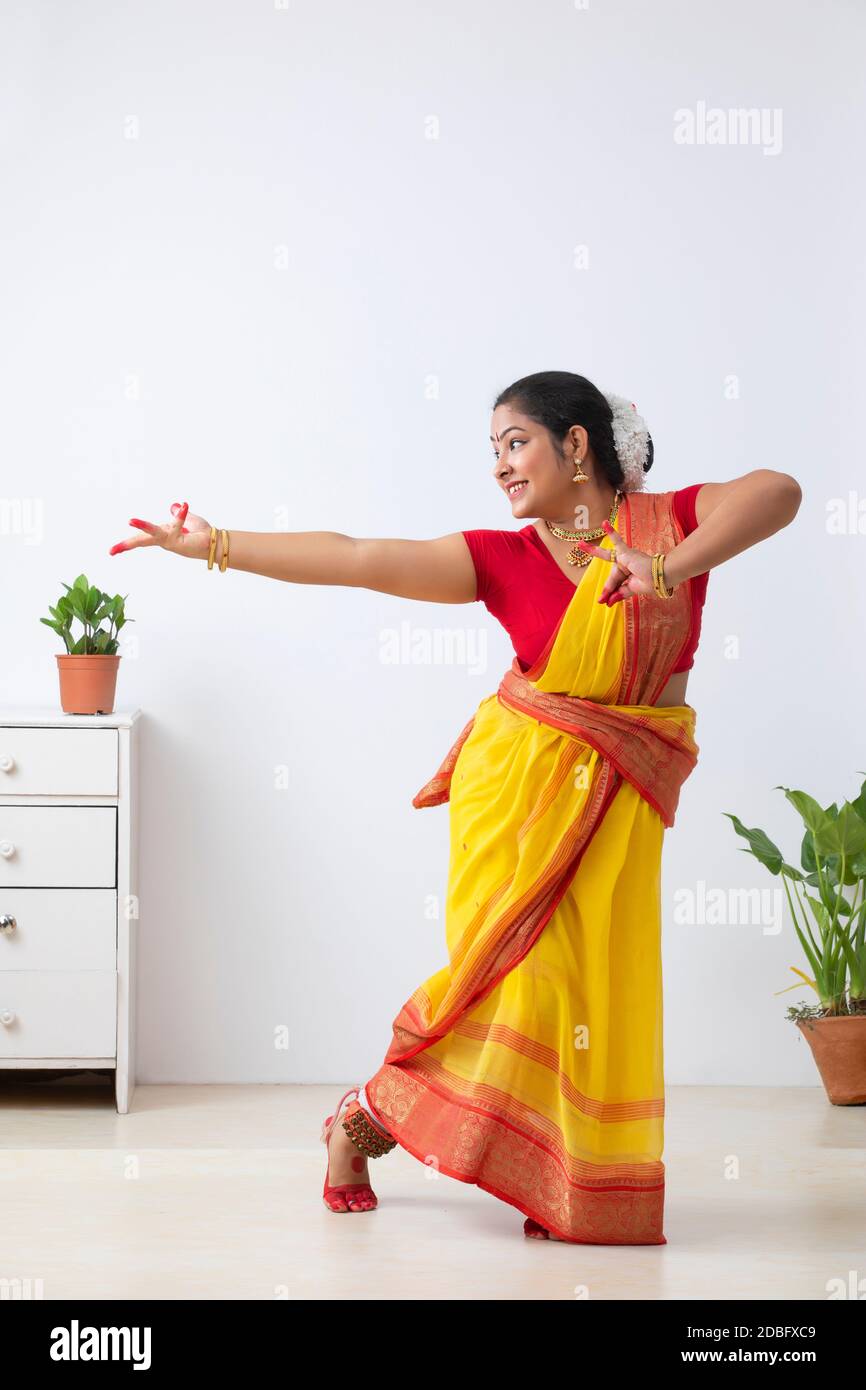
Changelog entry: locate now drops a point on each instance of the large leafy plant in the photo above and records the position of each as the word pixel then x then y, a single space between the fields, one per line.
pixel 830 922
pixel 90 607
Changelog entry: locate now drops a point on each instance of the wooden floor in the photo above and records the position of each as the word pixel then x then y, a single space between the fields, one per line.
pixel 215 1192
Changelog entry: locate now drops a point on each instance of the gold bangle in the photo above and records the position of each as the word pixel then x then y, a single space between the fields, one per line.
pixel 667 589
pixel 225 555
pixel 212 547
pixel 658 576
pixel 655 575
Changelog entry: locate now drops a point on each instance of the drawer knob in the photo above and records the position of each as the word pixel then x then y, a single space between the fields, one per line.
pixel 7 849
pixel 7 762
pixel 6 1017
pixel 7 923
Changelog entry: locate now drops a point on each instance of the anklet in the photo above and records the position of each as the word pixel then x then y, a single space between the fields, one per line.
pixel 364 1134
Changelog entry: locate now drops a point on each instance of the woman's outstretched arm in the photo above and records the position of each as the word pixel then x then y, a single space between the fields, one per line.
pixel 731 517
pixel 438 571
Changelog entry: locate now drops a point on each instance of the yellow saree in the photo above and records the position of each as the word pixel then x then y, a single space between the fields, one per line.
pixel 532 1064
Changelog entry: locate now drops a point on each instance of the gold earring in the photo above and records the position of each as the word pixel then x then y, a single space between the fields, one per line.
pixel 580 476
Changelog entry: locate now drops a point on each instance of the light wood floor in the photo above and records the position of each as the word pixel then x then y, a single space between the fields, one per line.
pixel 215 1192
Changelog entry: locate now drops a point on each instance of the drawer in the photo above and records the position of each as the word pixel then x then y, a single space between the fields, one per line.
pixel 63 1013
pixel 58 846
pixel 58 762
pixel 58 929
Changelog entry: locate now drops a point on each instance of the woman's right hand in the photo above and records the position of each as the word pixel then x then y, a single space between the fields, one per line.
pixel 186 534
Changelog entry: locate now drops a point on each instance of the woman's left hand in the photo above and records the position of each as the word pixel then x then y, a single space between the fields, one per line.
pixel 631 574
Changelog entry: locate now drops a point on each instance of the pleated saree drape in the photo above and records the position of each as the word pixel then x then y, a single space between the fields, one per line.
pixel 532 1063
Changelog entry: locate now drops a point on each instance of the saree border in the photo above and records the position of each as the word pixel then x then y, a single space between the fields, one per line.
pixel 656 512
pixel 490 1152
pixel 603 728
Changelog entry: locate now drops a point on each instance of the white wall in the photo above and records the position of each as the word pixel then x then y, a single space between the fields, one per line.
pixel 238 271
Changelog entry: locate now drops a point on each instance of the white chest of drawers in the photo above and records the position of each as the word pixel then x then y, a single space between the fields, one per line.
pixel 68 892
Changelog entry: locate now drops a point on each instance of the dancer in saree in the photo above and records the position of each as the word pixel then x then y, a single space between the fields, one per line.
pixel 531 1062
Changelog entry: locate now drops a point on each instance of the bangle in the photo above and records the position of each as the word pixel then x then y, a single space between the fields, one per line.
pixel 225 555
pixel 211 547
pixel 658 575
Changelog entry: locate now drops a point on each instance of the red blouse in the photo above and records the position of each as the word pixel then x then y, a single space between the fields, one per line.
pixel 522 585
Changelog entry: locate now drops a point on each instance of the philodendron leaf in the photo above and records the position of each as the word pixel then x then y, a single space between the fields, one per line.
pixel 760 844
pixel 788 871
pixel 859 802
pixel 81 583
pixel 820 913
pixel 834 902
pixel 807 853
pixel 846 835
pixel 814 817
pixel 831 864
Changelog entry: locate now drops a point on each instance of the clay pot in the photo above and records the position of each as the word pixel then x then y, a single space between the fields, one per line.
pixel 839 1048
pixel 87 683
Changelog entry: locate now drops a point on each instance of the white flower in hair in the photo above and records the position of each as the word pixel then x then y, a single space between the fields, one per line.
pixel 631 441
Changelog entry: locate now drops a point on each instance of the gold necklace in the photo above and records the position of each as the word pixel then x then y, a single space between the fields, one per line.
pixel 562 533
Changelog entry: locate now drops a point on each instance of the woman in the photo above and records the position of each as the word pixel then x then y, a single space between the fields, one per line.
pixel 531 1064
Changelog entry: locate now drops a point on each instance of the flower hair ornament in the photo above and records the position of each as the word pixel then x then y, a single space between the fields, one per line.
pixel 631 439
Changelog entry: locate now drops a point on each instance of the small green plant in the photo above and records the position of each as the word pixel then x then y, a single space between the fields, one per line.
pixel 90 607
pixel 832 858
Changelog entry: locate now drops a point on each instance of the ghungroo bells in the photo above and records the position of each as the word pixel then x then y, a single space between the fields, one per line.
pixel 364 1134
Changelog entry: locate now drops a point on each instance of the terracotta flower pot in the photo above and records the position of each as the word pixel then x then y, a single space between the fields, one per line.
pixel 87 683
pixel 839 1048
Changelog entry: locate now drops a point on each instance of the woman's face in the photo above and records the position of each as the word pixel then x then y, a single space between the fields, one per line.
pixel 526 465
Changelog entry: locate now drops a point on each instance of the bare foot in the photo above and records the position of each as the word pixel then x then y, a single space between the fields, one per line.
pixel 347 1165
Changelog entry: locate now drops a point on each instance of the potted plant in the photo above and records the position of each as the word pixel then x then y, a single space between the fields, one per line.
pixel 88 670
pixel 833 860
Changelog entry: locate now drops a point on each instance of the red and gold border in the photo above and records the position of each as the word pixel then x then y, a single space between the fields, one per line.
pixel 476 1140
